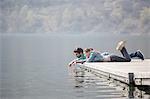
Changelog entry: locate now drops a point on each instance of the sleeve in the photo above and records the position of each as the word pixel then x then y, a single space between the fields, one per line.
pixel 80 60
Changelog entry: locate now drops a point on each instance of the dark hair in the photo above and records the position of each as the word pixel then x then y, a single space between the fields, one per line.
pixel 78 50
pixel 87 50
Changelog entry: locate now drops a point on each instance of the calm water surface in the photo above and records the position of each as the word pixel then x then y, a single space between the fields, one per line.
pixel 83 85
pixel 35 67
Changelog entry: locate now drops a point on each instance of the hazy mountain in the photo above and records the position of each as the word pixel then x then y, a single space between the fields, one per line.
pixel 75 16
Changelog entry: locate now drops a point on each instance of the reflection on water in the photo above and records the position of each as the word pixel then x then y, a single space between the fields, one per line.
pixel 31 68
pixel 90 86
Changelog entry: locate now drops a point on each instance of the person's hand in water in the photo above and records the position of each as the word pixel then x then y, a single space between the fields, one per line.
pixel 72 63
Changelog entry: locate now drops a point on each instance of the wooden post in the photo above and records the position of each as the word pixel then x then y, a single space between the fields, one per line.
pixel 131 85
pixel 131 79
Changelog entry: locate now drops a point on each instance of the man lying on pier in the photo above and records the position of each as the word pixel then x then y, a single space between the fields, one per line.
pixel 94 56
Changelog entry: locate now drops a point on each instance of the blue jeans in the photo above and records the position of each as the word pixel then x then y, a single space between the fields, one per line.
pixel 126 57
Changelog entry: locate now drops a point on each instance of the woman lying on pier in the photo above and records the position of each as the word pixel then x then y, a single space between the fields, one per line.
pixel 94 56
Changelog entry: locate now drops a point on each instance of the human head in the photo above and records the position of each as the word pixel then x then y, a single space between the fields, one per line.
pixel 87 52
pixel 78 52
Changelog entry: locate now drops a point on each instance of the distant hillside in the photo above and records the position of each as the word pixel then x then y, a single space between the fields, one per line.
pixel 75 16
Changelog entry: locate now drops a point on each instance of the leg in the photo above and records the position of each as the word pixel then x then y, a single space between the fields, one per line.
pixel 138 54
pixel 125 53
pixel 115 58
pixel 133 54
pixel 122 49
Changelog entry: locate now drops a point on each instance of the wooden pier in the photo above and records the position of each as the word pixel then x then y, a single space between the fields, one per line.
pixel 136 72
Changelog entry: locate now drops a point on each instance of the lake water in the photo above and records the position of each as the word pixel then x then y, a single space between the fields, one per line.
pixel 35 66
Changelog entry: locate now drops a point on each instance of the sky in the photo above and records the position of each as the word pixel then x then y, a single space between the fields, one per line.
pixel 105 17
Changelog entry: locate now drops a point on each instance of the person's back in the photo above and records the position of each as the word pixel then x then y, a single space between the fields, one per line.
pixel 93 56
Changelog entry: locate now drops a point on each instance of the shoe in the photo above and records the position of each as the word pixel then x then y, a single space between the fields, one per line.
pixel 120 45
pixel 140 55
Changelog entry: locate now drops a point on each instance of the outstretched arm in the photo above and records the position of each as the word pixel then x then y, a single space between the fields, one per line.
pixel 72 62
pixel 75 61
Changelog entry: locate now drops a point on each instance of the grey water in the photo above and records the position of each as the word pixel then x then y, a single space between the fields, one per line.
pixel 35 66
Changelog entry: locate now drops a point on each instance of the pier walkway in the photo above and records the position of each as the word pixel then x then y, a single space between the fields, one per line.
pixel 136 72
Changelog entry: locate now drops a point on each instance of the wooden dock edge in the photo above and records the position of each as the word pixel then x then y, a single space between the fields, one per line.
pixel 130 80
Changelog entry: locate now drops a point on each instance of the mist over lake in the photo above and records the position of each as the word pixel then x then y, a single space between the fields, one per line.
pixel 37 39
pixel 34 66
pixel 75 16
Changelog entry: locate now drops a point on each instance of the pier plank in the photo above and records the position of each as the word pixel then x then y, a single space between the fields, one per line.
pixel 121 70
